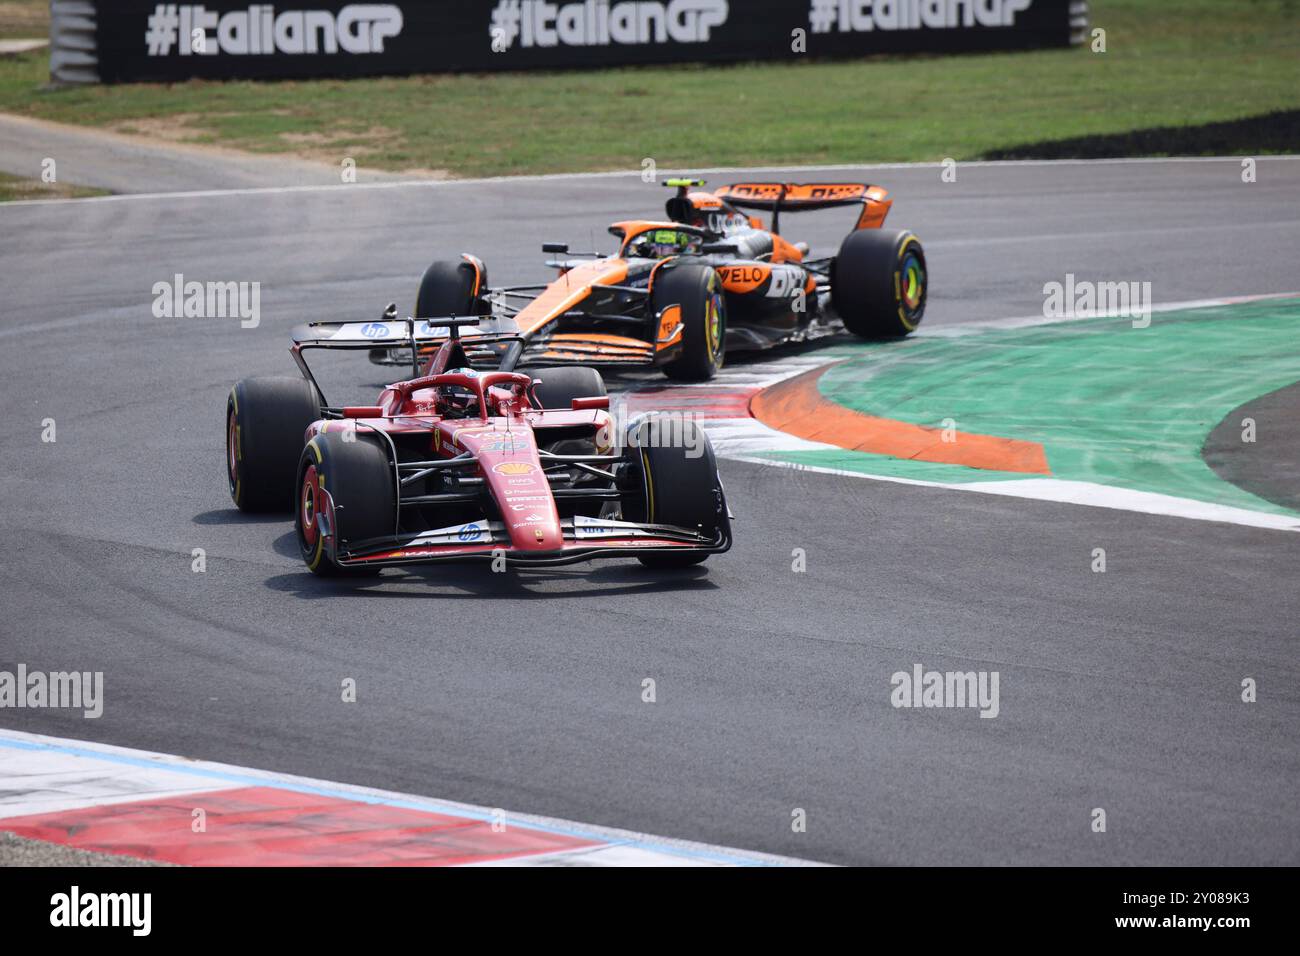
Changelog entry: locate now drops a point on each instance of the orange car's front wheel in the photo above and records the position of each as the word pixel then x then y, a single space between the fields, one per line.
pixel 697 290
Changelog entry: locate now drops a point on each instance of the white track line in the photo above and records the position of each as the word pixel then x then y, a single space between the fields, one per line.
pixel 1029 321
pixel 1065 491
pixel 630 174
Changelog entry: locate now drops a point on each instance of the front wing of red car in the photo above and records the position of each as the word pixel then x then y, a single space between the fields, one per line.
pixel 585 539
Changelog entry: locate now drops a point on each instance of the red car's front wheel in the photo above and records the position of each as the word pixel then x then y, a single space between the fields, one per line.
pixel 346 495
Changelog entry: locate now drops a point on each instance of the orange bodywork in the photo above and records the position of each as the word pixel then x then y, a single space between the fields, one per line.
pixel 743 278
pixel 794 196
pixel 596 346
pixel 797 194
pixel 670 328
pixel 704 200
pixel 478 272
pixel 597 341
pixel 629 229
pixel 783 251
pixel 874 209
pixel 569 290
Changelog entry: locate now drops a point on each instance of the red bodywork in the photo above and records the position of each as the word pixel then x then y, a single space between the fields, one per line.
pixel 500 435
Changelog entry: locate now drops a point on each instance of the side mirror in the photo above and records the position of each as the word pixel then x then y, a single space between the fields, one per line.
pixel 390 313
pixel 559 248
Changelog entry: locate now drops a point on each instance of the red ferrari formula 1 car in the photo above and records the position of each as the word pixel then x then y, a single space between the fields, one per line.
pixel 681 292
pixel 469 459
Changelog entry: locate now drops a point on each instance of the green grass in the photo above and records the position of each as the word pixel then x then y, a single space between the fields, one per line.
pixel 1168 62
pixel 17 187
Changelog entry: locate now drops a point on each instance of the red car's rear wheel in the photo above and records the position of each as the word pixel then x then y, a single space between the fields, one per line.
pixel 266 422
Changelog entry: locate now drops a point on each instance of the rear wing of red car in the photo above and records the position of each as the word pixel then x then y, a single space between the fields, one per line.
pixel 800 197
pixel 480 341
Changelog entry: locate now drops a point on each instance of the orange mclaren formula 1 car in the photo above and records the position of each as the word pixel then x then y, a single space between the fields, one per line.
pixel 710 278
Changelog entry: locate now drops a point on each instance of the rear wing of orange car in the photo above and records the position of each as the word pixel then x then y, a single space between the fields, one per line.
pixel 801 197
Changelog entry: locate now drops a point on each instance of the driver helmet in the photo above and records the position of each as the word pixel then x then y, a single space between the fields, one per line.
pixel 458 396
pixel 662 243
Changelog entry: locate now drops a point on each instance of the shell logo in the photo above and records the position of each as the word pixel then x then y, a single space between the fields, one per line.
pixel 514 468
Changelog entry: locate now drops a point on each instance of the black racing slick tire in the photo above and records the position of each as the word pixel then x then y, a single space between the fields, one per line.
pixel 266 422
pixel 679 483
pixel 558 386
pixel 446 289
pixel 696 288
pixel 879 283
pixel 361 501
pixel 450 288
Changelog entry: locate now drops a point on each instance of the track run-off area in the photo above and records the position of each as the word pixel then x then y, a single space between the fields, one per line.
pixel 860 551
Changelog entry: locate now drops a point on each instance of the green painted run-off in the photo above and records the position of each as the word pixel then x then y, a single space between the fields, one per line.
pixel 1110 403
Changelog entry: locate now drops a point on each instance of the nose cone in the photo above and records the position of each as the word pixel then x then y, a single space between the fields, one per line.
pixel 527 505
pixel 514 474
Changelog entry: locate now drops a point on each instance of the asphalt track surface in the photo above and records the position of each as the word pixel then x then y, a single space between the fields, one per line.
pixel 1118 690
pixel 1271 470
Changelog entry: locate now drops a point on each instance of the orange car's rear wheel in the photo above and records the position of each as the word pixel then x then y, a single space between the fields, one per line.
pixel 450 288
pixel 879 283
pixel 557 387
pixel 446 288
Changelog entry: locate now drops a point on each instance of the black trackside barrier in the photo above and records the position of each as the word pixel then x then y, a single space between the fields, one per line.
pixel 147 40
